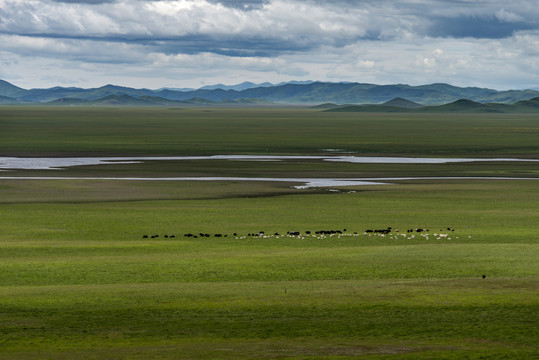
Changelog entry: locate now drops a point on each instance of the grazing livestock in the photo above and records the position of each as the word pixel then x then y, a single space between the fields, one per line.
pixel 144 236
pixel 484 276
pixel 379 231
pixel 322 233
pixel 327 232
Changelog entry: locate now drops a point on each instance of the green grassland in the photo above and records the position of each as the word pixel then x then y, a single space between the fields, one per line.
pixel 113 131
pixel 78 280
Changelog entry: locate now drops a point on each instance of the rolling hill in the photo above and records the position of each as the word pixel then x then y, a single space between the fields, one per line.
pixel 402 103
pixel 458 106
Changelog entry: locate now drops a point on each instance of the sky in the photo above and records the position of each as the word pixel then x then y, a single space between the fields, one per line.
pixel 192 43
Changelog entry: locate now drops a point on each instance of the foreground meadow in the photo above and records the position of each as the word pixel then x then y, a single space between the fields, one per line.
pixel 79 280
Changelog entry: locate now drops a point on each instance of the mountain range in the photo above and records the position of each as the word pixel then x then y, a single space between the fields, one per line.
pixel 308 92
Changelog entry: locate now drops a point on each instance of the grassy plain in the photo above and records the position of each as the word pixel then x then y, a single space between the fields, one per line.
pixel 271 130
pixel 77 280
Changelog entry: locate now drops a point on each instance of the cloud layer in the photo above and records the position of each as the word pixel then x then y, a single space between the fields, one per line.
pixel 190 43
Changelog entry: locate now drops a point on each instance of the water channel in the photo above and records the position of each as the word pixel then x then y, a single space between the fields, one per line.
pixel 19 163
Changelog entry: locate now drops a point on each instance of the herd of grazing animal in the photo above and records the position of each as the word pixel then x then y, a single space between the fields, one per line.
pixel 321 233
pixel 156 236
pixel 385 231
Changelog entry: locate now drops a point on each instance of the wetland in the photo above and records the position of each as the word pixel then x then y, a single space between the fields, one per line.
pixel 78 280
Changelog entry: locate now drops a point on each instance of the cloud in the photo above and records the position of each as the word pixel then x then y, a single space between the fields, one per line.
pixel 241 4
pixel 232 28
pixel 476 27
pixel 508 16
pixel 84 1
pixel 272 40
pixel 73 49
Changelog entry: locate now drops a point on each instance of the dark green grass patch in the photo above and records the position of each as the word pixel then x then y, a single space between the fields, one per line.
pixel 309 318
pixel 224 262
pixel 158 131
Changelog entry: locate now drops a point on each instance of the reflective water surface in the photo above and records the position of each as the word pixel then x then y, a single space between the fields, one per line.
pixel 18 163
pixel 58 163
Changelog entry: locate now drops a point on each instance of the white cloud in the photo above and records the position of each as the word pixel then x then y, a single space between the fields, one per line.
pixel 508 16
pixel 366 64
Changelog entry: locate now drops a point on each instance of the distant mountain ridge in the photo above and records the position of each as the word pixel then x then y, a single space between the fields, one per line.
pixel 307 92
pixel 147 100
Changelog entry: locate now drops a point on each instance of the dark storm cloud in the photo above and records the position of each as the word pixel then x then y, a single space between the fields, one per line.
pixel 195 44
pixel 476 27
pixel 241 4
pixel 257 47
